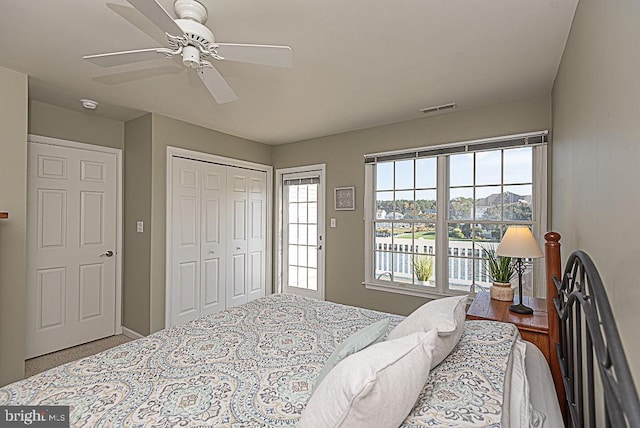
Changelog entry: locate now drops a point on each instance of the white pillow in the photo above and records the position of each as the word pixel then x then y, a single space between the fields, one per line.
pixel 446 315
pixel 376 387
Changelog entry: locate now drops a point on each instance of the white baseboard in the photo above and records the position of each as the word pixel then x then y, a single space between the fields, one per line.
pixel 131 334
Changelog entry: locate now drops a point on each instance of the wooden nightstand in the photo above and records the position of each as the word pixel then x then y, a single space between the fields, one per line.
pixel 533 328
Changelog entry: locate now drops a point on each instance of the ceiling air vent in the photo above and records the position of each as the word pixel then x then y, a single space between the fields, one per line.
pixel 435 109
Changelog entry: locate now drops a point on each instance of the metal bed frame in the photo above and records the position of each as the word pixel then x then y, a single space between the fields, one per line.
pixel 585 341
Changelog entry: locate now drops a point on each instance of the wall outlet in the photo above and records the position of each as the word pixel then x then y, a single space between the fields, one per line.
pixel 140 226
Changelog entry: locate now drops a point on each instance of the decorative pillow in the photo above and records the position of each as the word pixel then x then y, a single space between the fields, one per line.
pixel 354 343
pixel 376 387
pixel 446 315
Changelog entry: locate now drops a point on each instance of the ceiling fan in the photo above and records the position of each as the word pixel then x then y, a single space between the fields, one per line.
pixel 188 37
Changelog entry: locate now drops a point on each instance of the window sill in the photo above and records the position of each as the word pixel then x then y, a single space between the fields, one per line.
pixel 410 290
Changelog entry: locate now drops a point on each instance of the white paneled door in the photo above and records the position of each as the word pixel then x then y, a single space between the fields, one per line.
pixel 198 266
pixel 218 232
pixel 246 190
pixel 237 232
pixel 257 236
pixel 71 272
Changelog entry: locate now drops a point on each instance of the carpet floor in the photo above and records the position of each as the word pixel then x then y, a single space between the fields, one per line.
pixel 45 362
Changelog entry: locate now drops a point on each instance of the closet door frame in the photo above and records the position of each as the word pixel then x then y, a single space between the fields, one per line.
pixel 221 160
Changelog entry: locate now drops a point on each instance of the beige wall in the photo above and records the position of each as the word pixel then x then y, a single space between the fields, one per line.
pixel 137 207
pixel 144 141
pixel 57 122
pixel 13 231
pixel 343 155
pixel 171 132
pixel 596 151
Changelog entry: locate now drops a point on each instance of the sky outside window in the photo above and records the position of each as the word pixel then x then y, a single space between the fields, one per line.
pixel 517 169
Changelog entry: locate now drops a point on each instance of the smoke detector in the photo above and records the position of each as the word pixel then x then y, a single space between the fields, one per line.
pixel 89 104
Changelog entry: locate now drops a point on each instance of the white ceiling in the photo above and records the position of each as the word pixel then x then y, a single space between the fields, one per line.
pixel 357 63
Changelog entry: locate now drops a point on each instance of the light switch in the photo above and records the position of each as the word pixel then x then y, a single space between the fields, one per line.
pixel 140 226
pixel 333 222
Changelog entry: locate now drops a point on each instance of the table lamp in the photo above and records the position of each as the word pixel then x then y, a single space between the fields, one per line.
pixel 519 243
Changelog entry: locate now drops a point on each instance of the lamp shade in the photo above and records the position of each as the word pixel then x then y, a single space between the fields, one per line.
pixel 519 242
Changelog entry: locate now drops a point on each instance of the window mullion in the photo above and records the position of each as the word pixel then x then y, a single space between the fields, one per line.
pixel 412 253
pixel 502 184
pixel 394 248
pixel 473 226
pixel 442 237
pixel 539 214
pixel 285 236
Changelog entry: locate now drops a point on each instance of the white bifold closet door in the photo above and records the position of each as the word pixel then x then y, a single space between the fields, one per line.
pixel 218 238
pixel 246 231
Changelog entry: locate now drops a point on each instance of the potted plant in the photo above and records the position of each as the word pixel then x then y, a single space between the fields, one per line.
pixel 501 270
pixel 423 268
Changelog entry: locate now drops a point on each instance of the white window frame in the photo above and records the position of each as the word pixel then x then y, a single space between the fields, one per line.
pixel 279 256
pixel 539 223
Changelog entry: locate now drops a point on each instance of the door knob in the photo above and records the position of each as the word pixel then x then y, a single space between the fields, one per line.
pixel 107 254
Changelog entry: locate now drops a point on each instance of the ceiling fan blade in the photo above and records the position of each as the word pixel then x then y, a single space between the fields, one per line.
pixel 156 14
pixel 139 21
pixel 217 86
pixel 275 56
pixel 130 76
pixel 125 57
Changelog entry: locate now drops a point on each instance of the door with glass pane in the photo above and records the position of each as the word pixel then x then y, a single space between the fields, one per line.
pixel 303 233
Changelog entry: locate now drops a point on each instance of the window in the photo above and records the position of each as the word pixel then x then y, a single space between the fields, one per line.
pixel 431 212
pixel 405 221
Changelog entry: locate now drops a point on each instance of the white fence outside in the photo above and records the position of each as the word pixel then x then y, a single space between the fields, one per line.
pixel 397 257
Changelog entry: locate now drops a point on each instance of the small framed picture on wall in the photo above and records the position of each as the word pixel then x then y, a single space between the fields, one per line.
pixel 345 198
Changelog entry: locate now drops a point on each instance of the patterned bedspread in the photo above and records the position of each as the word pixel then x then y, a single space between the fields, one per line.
pixel 467 388
pixel 254 366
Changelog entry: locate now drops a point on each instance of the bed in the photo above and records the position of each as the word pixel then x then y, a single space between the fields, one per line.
pixel 256 366
pixel 590 369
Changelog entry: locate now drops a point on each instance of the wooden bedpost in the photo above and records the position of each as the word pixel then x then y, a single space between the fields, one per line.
pixel 554 268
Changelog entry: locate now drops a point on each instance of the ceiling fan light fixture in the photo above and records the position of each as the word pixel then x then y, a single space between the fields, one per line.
pixel 191 57
pixel 89 104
